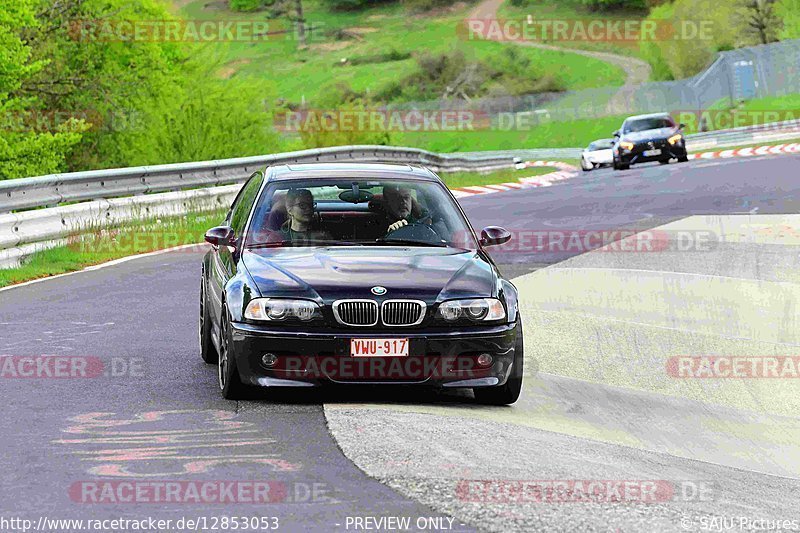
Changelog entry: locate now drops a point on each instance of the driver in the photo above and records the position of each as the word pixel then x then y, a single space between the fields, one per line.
pixel 399 208
pixel 300 225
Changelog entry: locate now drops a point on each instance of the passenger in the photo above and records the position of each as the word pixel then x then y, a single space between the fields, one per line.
pixel 300 224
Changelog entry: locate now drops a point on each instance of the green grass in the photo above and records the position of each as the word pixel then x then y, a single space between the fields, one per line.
pixel 305 74
pixel 100 246
pixel 465 179
pixel 577 133
pixel 574 10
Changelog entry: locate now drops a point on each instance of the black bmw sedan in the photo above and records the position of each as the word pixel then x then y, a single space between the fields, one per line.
pixel 645 138
pixel 329 274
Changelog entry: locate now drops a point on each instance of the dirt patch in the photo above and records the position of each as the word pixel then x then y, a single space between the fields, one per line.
pixel 361 30
pixel 216 5
pixel 443 10
pixel 231 68
pixel 330 47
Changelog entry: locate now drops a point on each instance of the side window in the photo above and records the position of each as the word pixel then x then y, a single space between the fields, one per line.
pixel 244 203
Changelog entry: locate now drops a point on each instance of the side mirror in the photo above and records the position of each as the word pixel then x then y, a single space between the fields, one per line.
pixel 492 235
pixel 616 133
pixel 681 125
pixel 220 236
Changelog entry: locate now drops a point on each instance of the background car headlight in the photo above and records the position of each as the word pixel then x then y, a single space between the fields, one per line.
pixel 675 139
pixel 625 145
pixel 475 310
pixel 272 309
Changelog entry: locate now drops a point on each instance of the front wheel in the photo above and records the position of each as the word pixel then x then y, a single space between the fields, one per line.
pixel 683 159
pixel 508 393
pixel 230 384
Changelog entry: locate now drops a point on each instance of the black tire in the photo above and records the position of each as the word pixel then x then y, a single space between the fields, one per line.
pixel 664 161
pixel 683 159
pixel 620 166
pixel 207 350
pixel 508 393
pixel 230 384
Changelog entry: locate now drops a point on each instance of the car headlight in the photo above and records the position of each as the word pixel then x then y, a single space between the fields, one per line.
pixel 626 145
pixel 675 139
pixel 276 309
pixel 474 310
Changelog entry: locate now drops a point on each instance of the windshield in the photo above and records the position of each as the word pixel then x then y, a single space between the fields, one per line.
pixel 341 212
pixel 644 124
pixel 605 144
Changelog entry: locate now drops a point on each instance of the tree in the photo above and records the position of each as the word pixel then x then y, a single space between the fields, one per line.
pixel 24 149
pixel 760 23
pixel 293 11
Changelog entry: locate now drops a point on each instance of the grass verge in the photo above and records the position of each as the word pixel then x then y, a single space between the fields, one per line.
pixel 103 245
pixel 465 179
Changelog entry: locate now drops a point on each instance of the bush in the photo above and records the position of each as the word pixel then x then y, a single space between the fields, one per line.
pixel 248 5
pixel 683 58
pixel 352 5
pixel 789 13
pixel 609 5
pixel 341 97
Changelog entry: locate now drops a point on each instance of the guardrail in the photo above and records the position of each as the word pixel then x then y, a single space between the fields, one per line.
pixel 55 189
pixel 109 197
pixel 776 131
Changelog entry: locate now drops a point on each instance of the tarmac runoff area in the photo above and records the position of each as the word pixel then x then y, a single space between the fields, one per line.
pixel 674 365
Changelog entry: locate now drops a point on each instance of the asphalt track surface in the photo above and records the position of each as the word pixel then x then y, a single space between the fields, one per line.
pixel 164 419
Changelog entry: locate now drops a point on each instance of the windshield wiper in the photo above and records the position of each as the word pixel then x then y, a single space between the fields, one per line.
pixel 401 242
pixel 306 242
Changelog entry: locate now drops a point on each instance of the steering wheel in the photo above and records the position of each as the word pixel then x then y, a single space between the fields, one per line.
pixel 415 231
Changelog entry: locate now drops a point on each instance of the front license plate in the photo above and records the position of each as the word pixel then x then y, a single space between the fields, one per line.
pixel 379 347
pixel 651 153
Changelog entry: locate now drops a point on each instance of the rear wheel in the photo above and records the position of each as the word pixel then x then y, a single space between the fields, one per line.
pixel 207 350
pixel 508 393
pixel 230 384
pixel 664 161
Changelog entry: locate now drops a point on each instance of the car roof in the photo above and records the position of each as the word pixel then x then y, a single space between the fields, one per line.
pixel 348 170
pixel 650 115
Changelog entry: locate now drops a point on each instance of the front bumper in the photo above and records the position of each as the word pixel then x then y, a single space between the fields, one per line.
pixel 637 155
pixel 437 358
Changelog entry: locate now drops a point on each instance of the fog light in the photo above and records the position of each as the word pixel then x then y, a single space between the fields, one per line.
pixel 484 359
pixel 269 359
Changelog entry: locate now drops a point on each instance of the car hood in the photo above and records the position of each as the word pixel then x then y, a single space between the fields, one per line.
pixel 605 152
pixel 331 273
pixel 649 135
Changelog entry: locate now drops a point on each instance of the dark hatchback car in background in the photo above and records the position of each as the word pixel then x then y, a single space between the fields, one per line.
pixel 357 274
pixel 646 138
